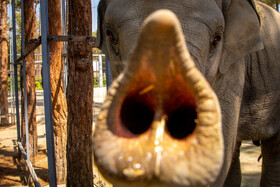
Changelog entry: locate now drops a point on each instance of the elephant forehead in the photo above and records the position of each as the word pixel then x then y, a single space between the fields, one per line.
pixel 122 11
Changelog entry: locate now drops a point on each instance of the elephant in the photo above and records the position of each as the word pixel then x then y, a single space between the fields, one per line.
pixel 151 120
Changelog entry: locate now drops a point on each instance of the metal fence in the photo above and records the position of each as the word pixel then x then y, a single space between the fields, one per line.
pixel 42 68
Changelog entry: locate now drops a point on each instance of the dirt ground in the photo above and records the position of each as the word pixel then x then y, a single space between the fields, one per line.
pixel 13 172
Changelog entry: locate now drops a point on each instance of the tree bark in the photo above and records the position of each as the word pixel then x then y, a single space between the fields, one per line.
pixel 4 120
pixel 29 27
pixel 277 5
pixel 59 104
pixel 79 97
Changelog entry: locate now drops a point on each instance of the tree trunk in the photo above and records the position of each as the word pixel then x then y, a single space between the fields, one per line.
pixel 277 5
pixel 79 97
pixel 3 65
pixel 59 104
pixel 29 27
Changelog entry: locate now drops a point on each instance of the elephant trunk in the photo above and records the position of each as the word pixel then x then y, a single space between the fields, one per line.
pixel 161 122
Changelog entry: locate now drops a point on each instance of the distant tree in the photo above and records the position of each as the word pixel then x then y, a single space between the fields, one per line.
pixel 95 50
pixel 3 65
pixel 272 3
pixel 18 26
pixel 29 27
pixel 79 97
pixel 59 104
pixel 268 2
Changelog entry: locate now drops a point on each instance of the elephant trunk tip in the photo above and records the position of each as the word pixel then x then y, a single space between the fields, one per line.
pixel 162 20
pixel 161 122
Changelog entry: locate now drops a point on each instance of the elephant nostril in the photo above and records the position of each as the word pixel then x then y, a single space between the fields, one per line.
pixel 180 107
pixel 181 121
pixel 137 114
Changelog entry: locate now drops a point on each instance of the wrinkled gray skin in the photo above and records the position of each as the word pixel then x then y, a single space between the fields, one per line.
pixel 243 68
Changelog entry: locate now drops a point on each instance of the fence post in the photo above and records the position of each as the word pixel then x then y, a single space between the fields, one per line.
pixel 100 71
pixel 15 69
pixel 108 73
pixel 24 82
pixel 47 92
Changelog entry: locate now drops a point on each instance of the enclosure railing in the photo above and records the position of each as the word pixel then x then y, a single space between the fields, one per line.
pixel 43 41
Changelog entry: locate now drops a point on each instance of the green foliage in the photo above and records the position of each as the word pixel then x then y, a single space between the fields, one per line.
pixel 95 50
pixel 268 2
pixel 96 82
pixel 9 83
pixel 94 34
pixel 18 25
pixel 18 4
pixel 271 3
pixel 18 29
pixel 38 83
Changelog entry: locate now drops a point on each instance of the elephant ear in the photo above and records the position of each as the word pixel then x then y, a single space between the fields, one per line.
pixel 101 12
pixel 242 32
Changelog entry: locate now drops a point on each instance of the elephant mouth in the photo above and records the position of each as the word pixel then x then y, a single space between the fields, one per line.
pixel 161 122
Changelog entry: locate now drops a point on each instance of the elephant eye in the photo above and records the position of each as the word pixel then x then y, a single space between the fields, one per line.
pixel 113 41
pixel 217 39
pixel 110 35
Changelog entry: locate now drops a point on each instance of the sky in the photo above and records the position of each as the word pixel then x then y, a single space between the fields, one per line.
pixel 94 4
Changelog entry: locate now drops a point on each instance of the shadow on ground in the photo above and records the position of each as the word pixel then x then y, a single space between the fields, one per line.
pixel 13 170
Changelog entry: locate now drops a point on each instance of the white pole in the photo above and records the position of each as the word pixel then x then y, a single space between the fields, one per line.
pixel 100 71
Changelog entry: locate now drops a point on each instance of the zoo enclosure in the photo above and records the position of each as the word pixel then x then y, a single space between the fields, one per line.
pixel 98 68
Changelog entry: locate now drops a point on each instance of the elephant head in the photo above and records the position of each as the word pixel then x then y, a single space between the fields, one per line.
pixel 161 122
pixel 233 24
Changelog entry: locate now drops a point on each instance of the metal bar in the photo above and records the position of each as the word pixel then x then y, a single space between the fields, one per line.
pixel 98 54
pixel 24 82
pixel 63 18
pixel 7 115
pixel 47 92
pixel 12 69
pixel 100 71
pixel 34 40
pixel 29 165
pixel 64 38
pixel 15 68
pixel 108 73
pixel 8 71
pixel 94 55
pixel 61 38
pixel 37 44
